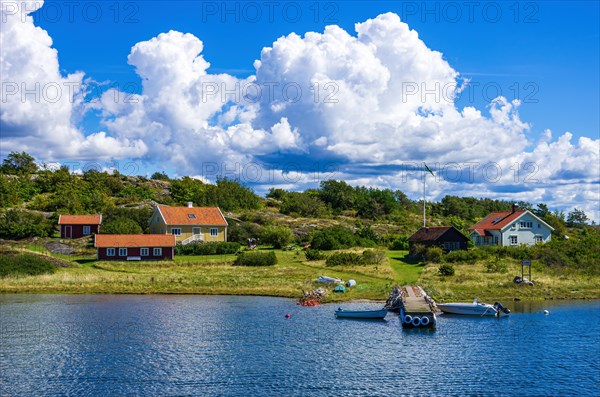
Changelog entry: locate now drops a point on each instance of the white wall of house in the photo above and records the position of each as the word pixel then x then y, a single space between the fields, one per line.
pixel 528 230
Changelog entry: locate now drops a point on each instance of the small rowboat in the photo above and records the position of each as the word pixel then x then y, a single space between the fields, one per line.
pixel 363 314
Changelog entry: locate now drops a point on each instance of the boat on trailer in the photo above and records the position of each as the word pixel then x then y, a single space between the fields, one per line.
pixel 361 314
pixel 474 308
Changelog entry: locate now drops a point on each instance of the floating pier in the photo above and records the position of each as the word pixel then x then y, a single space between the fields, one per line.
pixel 417 310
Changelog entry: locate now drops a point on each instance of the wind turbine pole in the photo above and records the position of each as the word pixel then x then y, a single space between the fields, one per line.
pixel 424 178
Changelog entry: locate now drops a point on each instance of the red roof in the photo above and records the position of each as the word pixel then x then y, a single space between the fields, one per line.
pixel 192 216
pixel 134 240
pixel 80 219
pixel 496 221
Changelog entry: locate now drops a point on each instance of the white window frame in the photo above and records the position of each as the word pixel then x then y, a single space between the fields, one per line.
pixel 157 251
pixel 174 229
pixel 214 232
pixel 110 252
pixel 516 240
pixel 87 230
pixel 198 229
pixel 525 225
pixel 144 251
pixel 538 238
pixel 122 251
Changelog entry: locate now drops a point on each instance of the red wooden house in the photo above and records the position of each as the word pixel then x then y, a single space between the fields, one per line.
pixel 134 247
pixel 76 226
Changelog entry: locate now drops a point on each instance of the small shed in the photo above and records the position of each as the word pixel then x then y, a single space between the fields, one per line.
pixel 134 247
pixel 76 226
pixel 448 238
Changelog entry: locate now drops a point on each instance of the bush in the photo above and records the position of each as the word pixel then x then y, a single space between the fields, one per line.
pixel 18 224
pixel 434 254
pixel 333 238
pixel 469 256
pixel 338 237
pixel 418 251
pixel 240 232
pixel 496 266
pixel 446 269
pixel 400 243
pixel 277 236
pixel 24 265
pixel 213 248
pixel 314 255
pixel 256 259
pixel 121 226
pixel 371 257
pixel 344 259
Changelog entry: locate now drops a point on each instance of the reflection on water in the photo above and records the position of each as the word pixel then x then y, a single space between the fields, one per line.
pixel 221 345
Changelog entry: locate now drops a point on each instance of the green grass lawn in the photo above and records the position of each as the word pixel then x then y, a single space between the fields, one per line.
pixel 213 274
pixel 293 274
pixel 407 270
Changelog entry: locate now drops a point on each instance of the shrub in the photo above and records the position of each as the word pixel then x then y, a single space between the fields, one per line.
pixel 213 248
pixel 338 237
pixel 121 226
pixel 419 250
pixel 372 257
pixel 434 254
pixel 256 259
pixel 24 265
pixel 400 243
pixel 469 256
pixel 18 224
pixel 240 232
pixel 314 255
pixel 496 266
pixel 333 238
pixel 344 259
pixel 277 236
pixel 446 269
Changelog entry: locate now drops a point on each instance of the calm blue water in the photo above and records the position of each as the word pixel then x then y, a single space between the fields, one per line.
pixel 111 345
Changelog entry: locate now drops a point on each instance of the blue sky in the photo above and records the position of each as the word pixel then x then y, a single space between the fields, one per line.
pixel 545 53
pixel 528 105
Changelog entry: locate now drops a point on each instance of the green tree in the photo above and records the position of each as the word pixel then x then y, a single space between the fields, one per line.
pixel 338 195
pixel 577 218
pixel 121 226
pixel 19 164
pixel 19 224
pixel 303 204
pixel 276 194
pixel 277 236
pixel 161 176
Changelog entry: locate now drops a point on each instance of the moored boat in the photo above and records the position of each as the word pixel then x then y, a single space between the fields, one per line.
pixel 363 314
pixel 474 308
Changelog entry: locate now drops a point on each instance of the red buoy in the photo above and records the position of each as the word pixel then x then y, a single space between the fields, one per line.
pixel 287 315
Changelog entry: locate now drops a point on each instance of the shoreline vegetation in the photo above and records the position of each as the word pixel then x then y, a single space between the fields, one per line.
pixel 354 232
pixel 290 277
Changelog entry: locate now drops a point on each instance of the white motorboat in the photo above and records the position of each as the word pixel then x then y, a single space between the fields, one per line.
pixel 474 309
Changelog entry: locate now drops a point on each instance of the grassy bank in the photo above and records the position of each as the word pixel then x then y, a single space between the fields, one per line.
pixel 473 280
pixel 292 275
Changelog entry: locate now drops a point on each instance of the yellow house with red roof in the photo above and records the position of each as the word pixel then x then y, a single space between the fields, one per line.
pixel 189 224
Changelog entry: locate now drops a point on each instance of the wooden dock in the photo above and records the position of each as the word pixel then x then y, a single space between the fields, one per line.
pixel 417 310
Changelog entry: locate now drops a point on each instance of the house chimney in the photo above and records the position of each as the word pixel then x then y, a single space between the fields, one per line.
pixel 514 208
pixel 190 204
